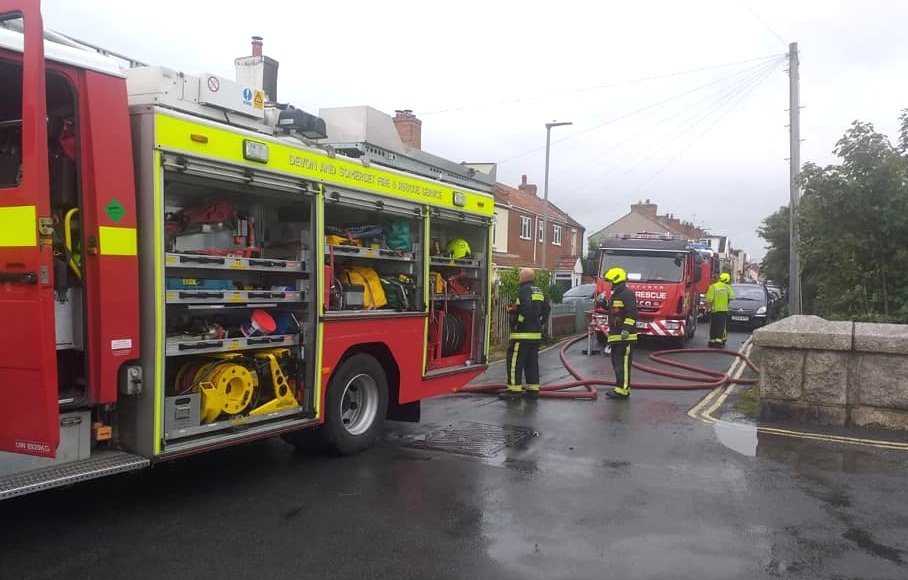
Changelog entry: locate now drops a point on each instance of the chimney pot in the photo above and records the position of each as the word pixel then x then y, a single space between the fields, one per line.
pixel 523 179
pixel 409 127
pixel 256 46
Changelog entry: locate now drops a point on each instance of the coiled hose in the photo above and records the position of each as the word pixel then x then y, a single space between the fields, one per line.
pixel 706 378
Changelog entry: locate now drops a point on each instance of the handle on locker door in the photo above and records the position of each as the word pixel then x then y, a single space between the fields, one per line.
pixel 20 277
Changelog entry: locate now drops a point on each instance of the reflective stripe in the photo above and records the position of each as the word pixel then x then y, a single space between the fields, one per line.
pixel 526 336
pixel 520 318
pixel 618 303
pixel 19 226
pixel 630 321
pixel 617 338
pixel 532 387
pixel 512 369
pixel 117 241
pixel 538 297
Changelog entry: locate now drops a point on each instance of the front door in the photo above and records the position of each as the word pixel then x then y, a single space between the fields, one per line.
pixel 29 406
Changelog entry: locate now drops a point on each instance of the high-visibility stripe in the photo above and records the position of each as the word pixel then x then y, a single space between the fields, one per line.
pixel 117 241
pixel 18 226
pixel 630 321
pixel 512 368
pixel 538 297
pixel 526 336
pixel 618 303
pixel 617 338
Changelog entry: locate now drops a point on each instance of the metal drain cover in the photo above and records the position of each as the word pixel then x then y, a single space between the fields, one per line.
pixel 476 439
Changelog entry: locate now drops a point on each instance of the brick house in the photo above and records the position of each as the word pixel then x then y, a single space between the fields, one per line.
pixel 644 217
pixel 518 239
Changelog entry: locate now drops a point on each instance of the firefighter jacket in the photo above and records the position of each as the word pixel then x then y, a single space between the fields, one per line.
pixel 622 314
pixel 529 313
pixel 718 295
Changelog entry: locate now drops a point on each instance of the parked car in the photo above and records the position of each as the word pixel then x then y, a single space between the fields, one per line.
pixel 578 293
pixel 750 307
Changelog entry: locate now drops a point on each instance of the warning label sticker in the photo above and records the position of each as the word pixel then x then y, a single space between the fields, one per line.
pixel 258 101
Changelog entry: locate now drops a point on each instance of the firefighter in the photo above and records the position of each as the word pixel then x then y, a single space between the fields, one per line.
pixel 717 297
pixel 622 331
pixel 527 317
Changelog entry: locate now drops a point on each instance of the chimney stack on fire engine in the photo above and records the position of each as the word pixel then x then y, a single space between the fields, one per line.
pixel 258 71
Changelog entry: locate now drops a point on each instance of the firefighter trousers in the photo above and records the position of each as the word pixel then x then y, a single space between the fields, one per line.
pixel 717 330
pixel 622 358
pixel 523 362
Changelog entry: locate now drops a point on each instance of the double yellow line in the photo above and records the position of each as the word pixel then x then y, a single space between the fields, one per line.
pixel 713 401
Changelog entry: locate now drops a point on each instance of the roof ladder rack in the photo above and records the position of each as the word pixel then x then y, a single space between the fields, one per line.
pixel 60 38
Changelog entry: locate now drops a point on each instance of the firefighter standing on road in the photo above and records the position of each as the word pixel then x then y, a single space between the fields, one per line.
pixel 622 331
pixel 527 317
pixel 718 296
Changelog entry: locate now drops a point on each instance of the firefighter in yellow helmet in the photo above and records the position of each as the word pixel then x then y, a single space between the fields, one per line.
pixel 528 315
pixel 718 296
pixel 622 326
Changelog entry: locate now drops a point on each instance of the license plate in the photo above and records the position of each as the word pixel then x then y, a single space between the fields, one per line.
pixel 740 318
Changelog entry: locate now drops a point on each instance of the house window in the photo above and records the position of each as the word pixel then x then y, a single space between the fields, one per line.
pixel 556 235
pixel 541 235
pixel 573 242
pixel 525 225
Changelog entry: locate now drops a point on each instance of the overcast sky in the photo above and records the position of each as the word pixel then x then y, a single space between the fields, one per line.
pixel 709 147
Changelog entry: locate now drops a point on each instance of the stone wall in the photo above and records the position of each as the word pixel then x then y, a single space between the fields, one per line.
pixel 833 373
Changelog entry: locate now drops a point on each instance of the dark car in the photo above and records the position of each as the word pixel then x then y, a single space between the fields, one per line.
pixel 750 306
pixel 578 293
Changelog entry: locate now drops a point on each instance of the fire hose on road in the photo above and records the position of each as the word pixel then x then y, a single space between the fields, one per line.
pixel 705 378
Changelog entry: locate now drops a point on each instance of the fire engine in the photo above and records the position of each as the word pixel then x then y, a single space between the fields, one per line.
pixel 183 267
pixel 663 271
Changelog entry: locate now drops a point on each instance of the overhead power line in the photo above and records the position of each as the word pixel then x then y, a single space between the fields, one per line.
pixel 596 88
pixel 696 107
pixel 688 123
pixel 730 107
pixel 763 22
pixel 637 111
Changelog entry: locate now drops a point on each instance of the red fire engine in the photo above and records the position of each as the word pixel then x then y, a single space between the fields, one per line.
pixel 663 271
pixel 183 268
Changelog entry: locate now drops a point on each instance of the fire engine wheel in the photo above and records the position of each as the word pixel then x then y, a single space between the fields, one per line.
pixel 356 403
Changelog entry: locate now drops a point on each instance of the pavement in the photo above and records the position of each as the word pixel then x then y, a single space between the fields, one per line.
pixel 665 485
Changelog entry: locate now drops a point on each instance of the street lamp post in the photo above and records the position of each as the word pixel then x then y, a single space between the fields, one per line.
pixel 545 187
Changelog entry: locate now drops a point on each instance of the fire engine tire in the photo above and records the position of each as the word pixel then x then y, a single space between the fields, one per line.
pixel 356 403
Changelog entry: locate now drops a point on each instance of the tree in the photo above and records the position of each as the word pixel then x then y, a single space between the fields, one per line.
pixel 853 229
pixel 775 230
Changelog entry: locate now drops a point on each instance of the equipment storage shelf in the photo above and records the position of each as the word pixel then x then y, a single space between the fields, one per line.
pixel 207 262
pixel 172 432
pixel 238 306
pixel 342 251
pixel 452 297
pixel 192 346
pixel 461 263
pixel 233 297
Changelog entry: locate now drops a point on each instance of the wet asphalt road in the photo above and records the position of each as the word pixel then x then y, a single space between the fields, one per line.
pixel 597 489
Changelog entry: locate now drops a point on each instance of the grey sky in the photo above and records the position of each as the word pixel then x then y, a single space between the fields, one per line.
pixel 432 57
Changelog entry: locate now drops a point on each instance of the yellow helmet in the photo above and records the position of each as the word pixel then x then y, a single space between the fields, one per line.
pixel 724 277
pixel 458 248
pixel 616 275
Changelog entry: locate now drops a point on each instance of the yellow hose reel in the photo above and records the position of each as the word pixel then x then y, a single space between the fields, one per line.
pixel 229 388
pixel 226 387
